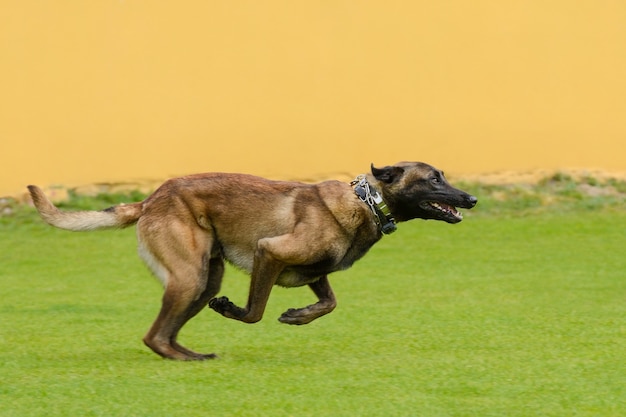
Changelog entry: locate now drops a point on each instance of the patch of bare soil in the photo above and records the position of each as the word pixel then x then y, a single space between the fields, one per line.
pixel 536 176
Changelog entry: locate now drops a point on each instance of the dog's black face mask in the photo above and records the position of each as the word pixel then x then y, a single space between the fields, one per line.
pixel 414 190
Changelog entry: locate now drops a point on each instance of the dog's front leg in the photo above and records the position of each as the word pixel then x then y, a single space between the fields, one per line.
pixel 264 274
pixel 327 303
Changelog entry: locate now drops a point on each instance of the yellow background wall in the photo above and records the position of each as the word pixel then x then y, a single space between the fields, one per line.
pixel 116 90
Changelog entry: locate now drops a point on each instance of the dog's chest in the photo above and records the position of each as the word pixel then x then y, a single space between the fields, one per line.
pixel 298 275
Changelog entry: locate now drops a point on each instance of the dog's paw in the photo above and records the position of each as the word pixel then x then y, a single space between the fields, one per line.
pixel 226 308
pixel 220 304
pixel 299 316
pixel 296 316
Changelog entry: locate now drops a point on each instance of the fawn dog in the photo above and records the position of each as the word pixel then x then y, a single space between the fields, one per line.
pixel 282 233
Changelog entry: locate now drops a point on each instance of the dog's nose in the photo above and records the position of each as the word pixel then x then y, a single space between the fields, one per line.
pixel 472 200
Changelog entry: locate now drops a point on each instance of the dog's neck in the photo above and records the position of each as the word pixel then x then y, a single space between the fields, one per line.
pixel 374 200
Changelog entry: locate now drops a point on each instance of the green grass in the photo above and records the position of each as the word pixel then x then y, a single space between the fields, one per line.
pixel 519 310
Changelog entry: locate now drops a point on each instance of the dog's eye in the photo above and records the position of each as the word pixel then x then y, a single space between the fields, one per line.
pixel 435 180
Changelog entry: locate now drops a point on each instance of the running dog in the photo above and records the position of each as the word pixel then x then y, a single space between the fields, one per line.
pixel 282 233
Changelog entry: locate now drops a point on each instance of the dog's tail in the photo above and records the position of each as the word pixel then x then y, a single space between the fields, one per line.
pixel 122 215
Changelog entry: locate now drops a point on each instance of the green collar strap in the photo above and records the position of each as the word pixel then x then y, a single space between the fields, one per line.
pixel 370 196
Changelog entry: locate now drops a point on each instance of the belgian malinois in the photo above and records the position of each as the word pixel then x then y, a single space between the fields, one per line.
pixel 282 233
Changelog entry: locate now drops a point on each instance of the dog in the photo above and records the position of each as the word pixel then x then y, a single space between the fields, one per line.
pixel 282 233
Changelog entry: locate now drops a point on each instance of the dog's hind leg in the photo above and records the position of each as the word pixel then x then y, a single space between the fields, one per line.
pixel 180 303
pixel 327 303
pixel 216 272
pixel 191 278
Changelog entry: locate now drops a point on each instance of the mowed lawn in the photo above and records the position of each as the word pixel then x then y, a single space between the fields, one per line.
pixel 495 316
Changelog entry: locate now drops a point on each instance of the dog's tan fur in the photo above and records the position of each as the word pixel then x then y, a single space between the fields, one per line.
pixel 282 233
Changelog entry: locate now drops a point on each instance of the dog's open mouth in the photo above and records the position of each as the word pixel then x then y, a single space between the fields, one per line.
pixel 443 210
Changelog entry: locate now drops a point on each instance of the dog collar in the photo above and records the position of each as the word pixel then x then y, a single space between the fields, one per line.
pixel 368 194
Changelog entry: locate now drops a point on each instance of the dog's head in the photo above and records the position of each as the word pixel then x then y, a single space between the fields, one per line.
pixel 415 190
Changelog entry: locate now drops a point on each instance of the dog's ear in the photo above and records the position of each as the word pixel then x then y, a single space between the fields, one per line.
pixel 388 174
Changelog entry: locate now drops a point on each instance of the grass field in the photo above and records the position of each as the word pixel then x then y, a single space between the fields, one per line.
pixel 520 310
